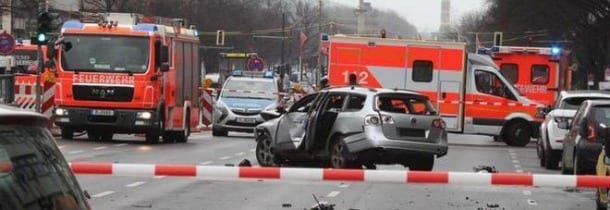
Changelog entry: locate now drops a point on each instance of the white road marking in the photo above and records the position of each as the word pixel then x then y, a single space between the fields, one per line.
pixel 532 202
pixel 135 184
pixel 343 185
pixel 527 192
pixel 517 166
pixel 120 145
pixel 61 147
pixel 239 153
pixel 515 161
pixel 252 150
pixel 206 163
pixel 76 151
pixel 99 148
pixel 225 157
pixel 333 194
pixel 159 177
pixel 519 171
pixel 102 194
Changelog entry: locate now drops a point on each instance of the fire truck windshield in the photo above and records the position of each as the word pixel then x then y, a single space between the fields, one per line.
pixel 106 54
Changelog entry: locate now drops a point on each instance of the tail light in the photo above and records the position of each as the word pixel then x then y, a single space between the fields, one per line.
pixel 438 123
pixel 372 120
pixel 591 137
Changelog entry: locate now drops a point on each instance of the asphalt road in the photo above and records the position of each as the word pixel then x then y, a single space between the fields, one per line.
pixel 191 193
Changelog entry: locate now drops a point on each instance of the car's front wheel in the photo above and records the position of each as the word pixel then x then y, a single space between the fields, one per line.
pixel 540 152
pixel 264 151
pixel 552 158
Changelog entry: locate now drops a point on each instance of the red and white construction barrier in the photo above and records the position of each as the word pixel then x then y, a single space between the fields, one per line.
pixel 313 174
pixel 207 106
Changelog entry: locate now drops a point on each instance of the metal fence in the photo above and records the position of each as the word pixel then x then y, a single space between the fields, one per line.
pixel 7 88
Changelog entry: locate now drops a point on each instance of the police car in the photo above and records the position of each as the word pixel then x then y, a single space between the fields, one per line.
pixel 244 96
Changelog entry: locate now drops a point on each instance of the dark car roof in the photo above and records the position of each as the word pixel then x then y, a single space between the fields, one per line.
pixel 10 114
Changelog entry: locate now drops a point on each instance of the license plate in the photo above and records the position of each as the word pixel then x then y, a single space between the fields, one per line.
pixel 246 120
pixel 102 112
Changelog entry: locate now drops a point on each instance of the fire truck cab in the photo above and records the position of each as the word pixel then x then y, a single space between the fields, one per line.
pixel 468 90
pixel 534 71
pixel 141 75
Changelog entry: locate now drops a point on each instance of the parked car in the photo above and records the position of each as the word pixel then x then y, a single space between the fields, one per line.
pixel 582 145
pixel 349 127
pixel 549 144
pixel 33 172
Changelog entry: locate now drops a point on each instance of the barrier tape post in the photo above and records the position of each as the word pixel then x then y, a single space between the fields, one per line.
pixel 353 175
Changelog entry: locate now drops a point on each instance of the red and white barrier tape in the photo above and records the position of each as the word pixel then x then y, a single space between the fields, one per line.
pixel 313 174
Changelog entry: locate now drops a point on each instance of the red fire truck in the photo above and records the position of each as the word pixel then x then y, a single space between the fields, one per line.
pixel 128 73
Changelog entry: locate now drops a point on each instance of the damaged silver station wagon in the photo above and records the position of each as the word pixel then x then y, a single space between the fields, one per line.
pixel 351 127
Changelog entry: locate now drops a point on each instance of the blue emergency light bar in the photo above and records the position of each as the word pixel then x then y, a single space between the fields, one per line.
pixel 257 74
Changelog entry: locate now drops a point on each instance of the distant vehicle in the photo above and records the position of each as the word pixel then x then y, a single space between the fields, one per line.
pixel 549 145
pixel 243 97
pixel 540 73
pixel 33 172
pixel 350 127
pixel 582 143
pixel 470 93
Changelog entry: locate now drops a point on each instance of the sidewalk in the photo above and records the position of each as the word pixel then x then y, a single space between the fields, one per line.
pixel 477 140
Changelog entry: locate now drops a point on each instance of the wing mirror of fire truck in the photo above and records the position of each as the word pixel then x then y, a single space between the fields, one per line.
pixel 164 67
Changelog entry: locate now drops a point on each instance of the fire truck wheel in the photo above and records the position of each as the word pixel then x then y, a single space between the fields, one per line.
pixel 518 133
pixel 183 136
pixel 107 136
pixel 93 135
pixel 168 137
pixel 67 133
pixel 152 137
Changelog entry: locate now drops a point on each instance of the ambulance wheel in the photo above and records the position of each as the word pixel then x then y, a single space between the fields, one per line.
pixel 67 133
pixel 518 133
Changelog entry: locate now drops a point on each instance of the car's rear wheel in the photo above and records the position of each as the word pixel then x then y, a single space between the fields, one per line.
pixel 422 163
pixel 264 151
pixel 581 167
pixel 518 133
pixel 540 152
pixel 339 155
pixel 552 158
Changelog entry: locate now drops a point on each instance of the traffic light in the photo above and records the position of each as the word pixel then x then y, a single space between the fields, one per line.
pixel 497 38
pixel 46 24
pixel 220 37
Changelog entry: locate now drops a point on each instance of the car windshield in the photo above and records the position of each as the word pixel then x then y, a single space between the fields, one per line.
pixel 573 103
pixel 106 53
pixel 33 173
pixel 406 104
pixel 241 88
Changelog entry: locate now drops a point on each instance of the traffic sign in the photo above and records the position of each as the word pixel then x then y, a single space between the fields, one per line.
pixel 256 64
pixel 7 43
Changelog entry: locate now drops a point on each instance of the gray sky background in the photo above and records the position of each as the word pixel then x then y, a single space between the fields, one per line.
pixel 424 14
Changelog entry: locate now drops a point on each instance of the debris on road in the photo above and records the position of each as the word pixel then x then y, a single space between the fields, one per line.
pixel 286 205
pixel 485 169
pixel 322 205
pixel 245 163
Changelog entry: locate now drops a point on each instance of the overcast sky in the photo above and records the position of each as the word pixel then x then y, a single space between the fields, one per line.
pixel 424 14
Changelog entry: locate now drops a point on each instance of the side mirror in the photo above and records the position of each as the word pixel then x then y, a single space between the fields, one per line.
pixel 51 52
pixel 563 125
pixel 269 115
pixel 49 64
pixel 164 67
